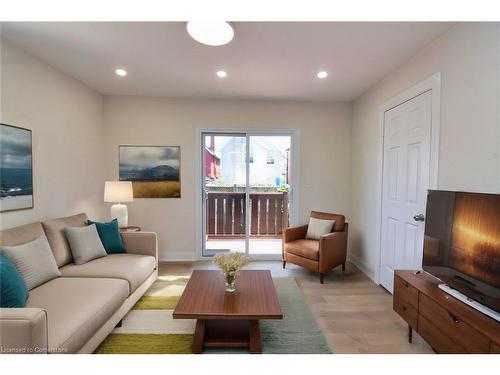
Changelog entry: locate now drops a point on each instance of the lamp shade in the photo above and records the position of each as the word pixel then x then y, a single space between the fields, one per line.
pixel 118 191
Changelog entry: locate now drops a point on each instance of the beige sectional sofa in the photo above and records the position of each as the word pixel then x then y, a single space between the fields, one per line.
pixel 75 312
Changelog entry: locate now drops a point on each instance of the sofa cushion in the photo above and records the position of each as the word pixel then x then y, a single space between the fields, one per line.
pixel 84 243
pixel 130 267
pixel 20 235
pixel 54 230
pixel 34 261
pixel 109 234
pixel 77 308
pixel 304 248
pixel 13 289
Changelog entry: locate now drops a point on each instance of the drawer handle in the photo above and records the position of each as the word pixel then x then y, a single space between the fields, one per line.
pixel 406 285
pixel 454 318
pixel 404 308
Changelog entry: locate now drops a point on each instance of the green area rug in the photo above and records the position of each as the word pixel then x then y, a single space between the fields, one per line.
pixel 146 343
pixel 150 329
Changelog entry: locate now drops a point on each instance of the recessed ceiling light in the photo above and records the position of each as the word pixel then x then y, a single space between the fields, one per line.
pixel 322 74
pixel 121 72
pixel 211 33
pixel 221 74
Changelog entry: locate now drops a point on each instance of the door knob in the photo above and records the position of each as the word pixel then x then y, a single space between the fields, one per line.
pixel 419 217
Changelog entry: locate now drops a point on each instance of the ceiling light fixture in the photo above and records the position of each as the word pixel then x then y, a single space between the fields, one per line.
pixel 322 75
pixel 121 72
pixel 211 33
pixel 221 74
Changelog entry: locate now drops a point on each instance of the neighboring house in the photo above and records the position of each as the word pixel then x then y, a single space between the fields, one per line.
pixel 268 165
pixel 212 164
pixel 212 161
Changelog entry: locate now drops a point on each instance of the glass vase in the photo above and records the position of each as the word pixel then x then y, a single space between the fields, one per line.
pixel 230 282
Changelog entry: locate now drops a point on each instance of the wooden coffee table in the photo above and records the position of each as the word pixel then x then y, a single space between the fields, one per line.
pixel 228 319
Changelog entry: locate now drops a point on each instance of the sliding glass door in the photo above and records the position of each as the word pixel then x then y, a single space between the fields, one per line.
pixel 269 162
pixel 245 192
pixel 224 193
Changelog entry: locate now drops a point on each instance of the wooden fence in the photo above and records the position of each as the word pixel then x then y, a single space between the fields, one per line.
pixel 226 215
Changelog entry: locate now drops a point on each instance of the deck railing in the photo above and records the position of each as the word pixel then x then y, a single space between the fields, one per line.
pixel 226 215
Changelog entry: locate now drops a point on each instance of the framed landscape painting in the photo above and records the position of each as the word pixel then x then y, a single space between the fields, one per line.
pixel 153 170
pixel 16 168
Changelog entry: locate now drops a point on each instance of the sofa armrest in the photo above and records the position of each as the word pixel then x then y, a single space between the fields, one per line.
pixel 142 243
pixel 23 330
pixel 294 233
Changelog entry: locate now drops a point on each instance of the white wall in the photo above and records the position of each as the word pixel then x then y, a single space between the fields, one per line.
pixel 324 154
pixel 468 57
pixel 66 119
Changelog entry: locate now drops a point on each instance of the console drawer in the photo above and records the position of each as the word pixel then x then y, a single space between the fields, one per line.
pixel 452 327
pixel 494 348
pixel 439 341
pixel 406 311
pixel 405 293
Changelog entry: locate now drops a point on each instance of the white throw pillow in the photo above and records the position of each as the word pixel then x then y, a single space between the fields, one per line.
pixel 84 243
pixel 318 228
pixel 34 261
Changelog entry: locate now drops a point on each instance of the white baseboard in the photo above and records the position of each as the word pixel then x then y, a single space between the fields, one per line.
pixel 362 266
pixel 177 256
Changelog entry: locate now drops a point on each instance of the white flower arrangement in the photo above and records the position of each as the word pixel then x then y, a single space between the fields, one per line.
pixel 231 264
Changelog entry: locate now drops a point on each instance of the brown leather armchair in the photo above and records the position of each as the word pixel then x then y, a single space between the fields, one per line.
pixel 320 256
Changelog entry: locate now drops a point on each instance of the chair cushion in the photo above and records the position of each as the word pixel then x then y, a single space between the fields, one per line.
pixel 339 219
pixel 84 243
pixel 318 228
pixel 304 248
pixel 54 230
pixel 130 267
pixel 77 308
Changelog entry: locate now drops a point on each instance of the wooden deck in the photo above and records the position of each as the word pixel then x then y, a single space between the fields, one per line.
pixel 256 245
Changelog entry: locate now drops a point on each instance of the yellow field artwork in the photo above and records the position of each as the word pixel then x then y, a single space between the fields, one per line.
pixel 157 189
pixel 153 170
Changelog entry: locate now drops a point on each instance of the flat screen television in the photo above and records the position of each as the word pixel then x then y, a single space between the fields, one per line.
pixel 462 243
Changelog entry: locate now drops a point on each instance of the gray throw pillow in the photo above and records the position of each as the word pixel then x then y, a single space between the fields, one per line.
pixel 318 228
pixel 34 261
pixel 84 243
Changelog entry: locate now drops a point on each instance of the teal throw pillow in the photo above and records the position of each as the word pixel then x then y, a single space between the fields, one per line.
pixel 13 289
pixel 109 234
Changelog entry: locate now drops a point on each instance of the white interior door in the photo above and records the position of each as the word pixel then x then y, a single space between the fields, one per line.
pixel 406 170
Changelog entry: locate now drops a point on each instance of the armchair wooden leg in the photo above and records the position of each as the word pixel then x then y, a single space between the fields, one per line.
pixel 321 277
pixel 284 263
pixel 343 267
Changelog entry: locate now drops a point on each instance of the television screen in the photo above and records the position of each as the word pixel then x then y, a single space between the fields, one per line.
pixel 462 243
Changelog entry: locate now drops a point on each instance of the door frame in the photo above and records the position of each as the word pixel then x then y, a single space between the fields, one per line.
pixel 294 197
pixel 433 84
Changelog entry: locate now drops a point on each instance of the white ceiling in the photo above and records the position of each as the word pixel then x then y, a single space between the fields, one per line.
pixel 265 60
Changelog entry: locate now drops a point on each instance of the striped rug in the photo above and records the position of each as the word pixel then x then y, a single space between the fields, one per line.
pixel 150 329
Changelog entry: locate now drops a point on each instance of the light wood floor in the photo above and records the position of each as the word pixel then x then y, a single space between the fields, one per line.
pixel 354 314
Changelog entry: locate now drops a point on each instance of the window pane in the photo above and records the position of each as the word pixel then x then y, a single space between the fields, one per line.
pixel 268 192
